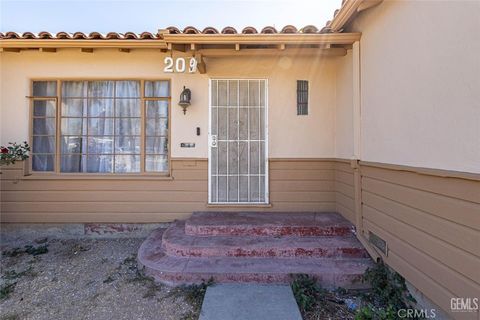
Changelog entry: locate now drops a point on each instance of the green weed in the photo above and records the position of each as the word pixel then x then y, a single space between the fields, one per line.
pixel 389 294
pixel 6 290
pixel 34 251
pixel 306 291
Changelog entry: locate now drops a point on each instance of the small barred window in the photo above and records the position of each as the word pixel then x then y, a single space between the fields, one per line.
pixel 302 97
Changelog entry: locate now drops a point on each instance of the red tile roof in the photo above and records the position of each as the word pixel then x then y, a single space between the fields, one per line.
pixel 289 29
pixel 348 8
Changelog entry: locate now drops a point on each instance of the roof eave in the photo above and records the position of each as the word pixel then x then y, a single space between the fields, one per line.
pixel 77 43
pixel 205 39
pixel 263 39
pixel 348 10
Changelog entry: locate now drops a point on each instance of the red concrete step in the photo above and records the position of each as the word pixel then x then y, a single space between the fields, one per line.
pixel 330 273
pixel 267 224
pixel 177 243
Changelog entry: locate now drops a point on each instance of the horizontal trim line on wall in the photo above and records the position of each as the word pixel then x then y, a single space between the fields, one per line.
pixel 94 176
pixel 398 167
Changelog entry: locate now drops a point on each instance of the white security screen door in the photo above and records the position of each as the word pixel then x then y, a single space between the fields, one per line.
pixel 238 161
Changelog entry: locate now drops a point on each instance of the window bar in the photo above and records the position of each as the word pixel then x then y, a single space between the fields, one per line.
pixel 228 139
pixel 143 133
pixel 248 137
pixel 114 138
pixel 238 140
pixel 218 148
pixel 259 143
pixel 58 133
pixel 85 90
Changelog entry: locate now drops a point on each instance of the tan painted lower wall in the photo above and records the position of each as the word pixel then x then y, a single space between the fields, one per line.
pixel 295 185
pixel 429 218
pixel 345 190
pixel 431 222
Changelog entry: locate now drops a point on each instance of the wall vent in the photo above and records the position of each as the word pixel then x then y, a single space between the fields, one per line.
pixel 378 242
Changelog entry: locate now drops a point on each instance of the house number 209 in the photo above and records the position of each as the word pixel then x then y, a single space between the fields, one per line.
pixel 179 65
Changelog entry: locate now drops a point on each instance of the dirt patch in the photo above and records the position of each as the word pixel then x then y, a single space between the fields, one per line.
pixel 316 303
pixel 83 279
pixel 333 305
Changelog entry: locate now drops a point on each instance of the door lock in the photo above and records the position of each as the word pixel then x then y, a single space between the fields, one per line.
pixel 213 141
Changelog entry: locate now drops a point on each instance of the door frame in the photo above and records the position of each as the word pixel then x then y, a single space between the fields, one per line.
pixel 267 173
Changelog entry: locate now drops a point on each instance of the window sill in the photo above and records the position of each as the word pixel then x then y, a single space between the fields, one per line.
pixel 239 205
pixel 66 176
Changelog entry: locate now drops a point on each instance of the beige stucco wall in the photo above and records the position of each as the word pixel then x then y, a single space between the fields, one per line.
pixel 344 107
pixel 420 84
pixel 290 135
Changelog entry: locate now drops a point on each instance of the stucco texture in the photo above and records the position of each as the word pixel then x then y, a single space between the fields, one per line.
pixel 290 135
pixel 420 88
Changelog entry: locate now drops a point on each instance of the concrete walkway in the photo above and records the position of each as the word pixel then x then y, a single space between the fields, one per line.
pixel 249 302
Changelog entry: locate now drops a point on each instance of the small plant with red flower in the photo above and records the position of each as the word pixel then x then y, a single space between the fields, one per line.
pixel 13 152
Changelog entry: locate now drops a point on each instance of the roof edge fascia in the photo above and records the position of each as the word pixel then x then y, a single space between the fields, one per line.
pixel 348 11
pixel 258 39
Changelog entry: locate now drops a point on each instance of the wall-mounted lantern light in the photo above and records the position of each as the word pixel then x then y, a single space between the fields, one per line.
pixel 185 98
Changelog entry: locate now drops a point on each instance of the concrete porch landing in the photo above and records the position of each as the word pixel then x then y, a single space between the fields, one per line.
pixel 256 247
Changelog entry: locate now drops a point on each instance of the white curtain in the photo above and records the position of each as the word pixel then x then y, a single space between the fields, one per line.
pixel 101 126
pixel 156 135
pixel 44 119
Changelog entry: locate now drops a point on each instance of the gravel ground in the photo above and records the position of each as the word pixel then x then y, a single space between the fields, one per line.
pixel 84 279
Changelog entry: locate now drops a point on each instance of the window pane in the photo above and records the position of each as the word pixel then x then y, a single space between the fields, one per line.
pixel 157 89
pixel 100 164
pixel 44 108
pixel 100 126
pixel 73 144
pixel 158 108
pixel 74 126
pixel 127 144
pixel 44 88
pixel 42 162
pixel 157 127
pixel 73 163
pixel 73 89
pixel 127 127
pixel 127 163
pixel 100 108
pixel 74 108
pixel 127 108
pixel 127 89
pixel 43 144
pixel 156 163
pixel 44 126
pixel 100 145
pixel 158 145
pixel 100 88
